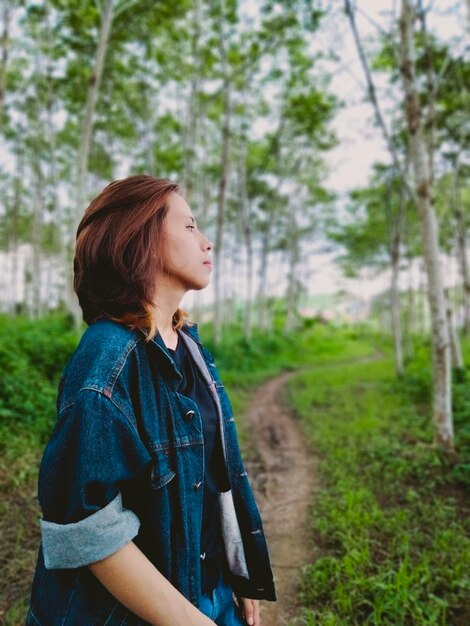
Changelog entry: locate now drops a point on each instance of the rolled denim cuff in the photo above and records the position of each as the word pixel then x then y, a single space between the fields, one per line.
pixel 66 546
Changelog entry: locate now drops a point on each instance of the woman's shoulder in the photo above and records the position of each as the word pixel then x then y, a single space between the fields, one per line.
pixel 107 329
pixel 106 340
pixel 101 355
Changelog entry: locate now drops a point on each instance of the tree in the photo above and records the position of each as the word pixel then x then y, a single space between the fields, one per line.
pixel 442 405
pixel 106 20
pixel 375 236
pixel 421 154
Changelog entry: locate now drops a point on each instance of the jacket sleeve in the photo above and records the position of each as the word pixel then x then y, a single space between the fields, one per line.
pixel 93 453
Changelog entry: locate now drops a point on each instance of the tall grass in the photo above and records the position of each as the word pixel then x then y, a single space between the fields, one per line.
pixel 394 547
pixel 34 353
pixel 391 521
pixel 32 357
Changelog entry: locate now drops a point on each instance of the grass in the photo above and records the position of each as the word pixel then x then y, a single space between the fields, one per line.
pixel 391 521
pixel 244 365
pixel 32 356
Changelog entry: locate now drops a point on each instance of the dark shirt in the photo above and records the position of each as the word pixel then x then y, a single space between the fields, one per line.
pixel 215 476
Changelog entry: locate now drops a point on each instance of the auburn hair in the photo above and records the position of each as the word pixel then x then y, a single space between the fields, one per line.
pixel 120 248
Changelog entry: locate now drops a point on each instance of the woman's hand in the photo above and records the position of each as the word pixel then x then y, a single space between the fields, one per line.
pixel 250 611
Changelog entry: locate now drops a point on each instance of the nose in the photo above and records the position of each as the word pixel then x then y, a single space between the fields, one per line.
pixel 208 244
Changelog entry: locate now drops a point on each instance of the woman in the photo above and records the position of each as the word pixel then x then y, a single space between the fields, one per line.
pixel 148 516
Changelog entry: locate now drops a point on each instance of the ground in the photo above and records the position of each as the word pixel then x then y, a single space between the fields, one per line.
pixel 283 473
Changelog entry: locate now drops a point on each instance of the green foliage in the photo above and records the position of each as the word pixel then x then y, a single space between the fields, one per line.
pixel 174 75
pixel 378 215
pixel 381 561
pixel 32 357
pixel 452 197
pixel 394 547
pixel 266 354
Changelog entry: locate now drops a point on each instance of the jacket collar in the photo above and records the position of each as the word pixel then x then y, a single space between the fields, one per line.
pixel 191 330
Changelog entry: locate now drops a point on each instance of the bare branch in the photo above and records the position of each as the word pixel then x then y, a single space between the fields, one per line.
pixel 372 22
pixel 371 92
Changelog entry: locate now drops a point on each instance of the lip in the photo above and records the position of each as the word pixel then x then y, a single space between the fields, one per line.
pixel 207 263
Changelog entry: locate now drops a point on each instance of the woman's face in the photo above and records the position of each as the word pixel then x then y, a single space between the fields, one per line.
pixel 187 260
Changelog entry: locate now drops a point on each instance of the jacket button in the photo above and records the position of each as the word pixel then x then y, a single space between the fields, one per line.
pixel 197 485
pixel 189 415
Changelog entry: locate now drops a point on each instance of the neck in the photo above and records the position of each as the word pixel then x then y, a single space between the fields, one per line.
pixel 167 301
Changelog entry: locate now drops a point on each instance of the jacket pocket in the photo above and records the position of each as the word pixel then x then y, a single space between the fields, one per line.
pixel 161 472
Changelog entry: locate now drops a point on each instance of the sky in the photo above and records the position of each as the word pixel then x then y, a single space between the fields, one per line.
pixel 360 142
pixel 350 163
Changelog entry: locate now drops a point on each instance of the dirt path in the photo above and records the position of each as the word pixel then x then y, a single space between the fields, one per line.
pixel 283 474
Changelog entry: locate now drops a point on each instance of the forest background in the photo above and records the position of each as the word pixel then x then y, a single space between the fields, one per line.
pixel 244 103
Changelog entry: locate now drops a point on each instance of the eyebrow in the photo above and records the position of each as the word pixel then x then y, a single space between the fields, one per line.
pixel 192 218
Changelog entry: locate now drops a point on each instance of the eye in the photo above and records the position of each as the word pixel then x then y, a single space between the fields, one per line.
pixel 193 227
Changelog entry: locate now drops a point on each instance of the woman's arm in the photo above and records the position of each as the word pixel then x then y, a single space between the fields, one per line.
pixel 137 584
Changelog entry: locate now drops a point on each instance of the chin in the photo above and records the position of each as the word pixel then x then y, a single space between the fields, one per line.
pixel 196 285
pixel 201 285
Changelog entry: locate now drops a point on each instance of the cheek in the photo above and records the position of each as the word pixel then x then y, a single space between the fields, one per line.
pixel 179 257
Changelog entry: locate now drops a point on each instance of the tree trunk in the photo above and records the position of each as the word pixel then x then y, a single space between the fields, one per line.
pixel 245 228
pixel 4 51
pixel 264 317
pixel 193 109
pixel 37 131
pixel 430 119
pixel 36 268
pixel 372 95
pixel 151 103
pixel 395 229
pixel 229 267
pixel 204 187
pixel 462 251
pixel 442 405
pixel 424 301
pixel 222 192
pixel 262 299
pixel 60 247
pixel 14 228
pixel 248 327
pixel 86 139
pixel 457 358
pixel 88 117
pixel 410 322
pixel 293 284
pixel 396 317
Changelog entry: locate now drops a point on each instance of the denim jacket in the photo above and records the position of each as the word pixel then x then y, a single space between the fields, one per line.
pixel 125 462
